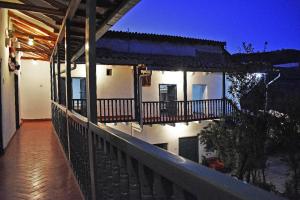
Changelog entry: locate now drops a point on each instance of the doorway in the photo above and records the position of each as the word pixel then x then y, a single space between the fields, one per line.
pixel 17 108
pixel 168 97
pixel 189 148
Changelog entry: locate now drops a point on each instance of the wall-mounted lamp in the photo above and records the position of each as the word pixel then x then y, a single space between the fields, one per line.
pixel 30 41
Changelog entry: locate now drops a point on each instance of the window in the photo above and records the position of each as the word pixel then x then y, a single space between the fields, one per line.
pixel 79 88
pixel 162 146
pixel 167 92
pixel 168 98
pixel 108 72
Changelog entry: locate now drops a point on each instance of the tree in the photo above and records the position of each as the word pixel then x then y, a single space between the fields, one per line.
pixel 286 137
pixel 240 142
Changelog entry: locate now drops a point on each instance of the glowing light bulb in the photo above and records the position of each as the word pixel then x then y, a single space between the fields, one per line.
pixel 30 41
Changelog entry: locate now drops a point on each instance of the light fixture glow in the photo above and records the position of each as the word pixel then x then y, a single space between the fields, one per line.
pixel 258 75
pixel 34 62
pixel 30 41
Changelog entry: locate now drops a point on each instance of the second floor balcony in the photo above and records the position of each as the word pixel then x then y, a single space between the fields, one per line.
pixel 156 112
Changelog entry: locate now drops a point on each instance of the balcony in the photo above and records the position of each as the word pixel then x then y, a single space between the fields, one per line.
pixel 156 112
pixel 109 164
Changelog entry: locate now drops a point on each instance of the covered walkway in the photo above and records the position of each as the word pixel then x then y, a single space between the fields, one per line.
pixel 34 166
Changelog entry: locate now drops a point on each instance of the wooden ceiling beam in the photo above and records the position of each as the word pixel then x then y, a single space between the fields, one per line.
pixel 20 34
pixel 35 47
pixel 25 28
pixel 38 54
pixel 40 19
pixel 39 9
pixel 56 4
pixel 32 50
pixel 69 14
pixel 58 21
pixel 33 58
pixel 30 24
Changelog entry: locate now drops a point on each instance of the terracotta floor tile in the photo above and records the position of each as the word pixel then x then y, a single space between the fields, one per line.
pixel 34 167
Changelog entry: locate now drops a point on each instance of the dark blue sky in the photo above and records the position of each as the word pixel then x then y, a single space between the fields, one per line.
pixel 233 21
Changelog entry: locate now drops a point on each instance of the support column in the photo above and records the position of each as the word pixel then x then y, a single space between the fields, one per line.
pixel 185 95
pixel 58 77
pixel 224 92
pixel 90 60
pixel 51 81
pixel 54 82
pixel 68 82
pixel 136 93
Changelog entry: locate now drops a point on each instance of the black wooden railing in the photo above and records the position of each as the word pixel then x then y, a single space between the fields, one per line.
pixel 174 111
pixel 59 120
pixel 79 106
pixel 157 112
pixel 125 167
pixel 116 110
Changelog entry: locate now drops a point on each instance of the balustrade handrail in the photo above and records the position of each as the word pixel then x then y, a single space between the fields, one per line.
pixel 181 100
pixel 185 176
pixel 78 118
pixel 62 107
pixel 198 180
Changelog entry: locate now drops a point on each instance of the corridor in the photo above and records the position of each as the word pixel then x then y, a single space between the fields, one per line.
pixel 34 166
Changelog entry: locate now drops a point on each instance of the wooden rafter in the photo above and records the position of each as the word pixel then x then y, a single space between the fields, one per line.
pixel 58 20
pixel 36 45
pixel 34 58
pixel 30 24
pixel 25 28
pixel 32 8
pixel 23 49
pixel 35 50
pixel 40 19
pixel 20 34
pixel 56 4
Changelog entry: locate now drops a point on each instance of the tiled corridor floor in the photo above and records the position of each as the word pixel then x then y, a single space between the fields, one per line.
pixel 34 166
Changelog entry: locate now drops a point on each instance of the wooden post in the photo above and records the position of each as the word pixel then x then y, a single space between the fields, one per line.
pixel 58 77
pixel 136 93
pixel 185 95
pixel 51 81
pixel 224 92
pixel 68 82
pixel 54 81
pixel 90 60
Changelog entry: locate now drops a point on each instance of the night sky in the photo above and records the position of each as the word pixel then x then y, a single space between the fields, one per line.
pixel 233 21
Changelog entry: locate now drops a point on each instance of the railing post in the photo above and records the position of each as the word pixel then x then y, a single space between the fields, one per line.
pixel 54 81
pixel 58 76
pixel 136 93
pixel 224 92
pixel 51 81
pixel 185 95
pixel 68 82
pixel 90 59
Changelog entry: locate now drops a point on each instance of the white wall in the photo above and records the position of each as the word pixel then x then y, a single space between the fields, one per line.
pixel 212 80
pixel 157 134
pixel 35 92
pixel 7 85
pixel 120 84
